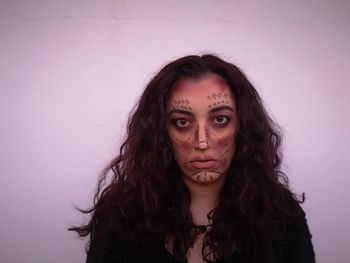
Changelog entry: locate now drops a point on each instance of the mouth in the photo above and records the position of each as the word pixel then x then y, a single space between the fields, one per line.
pixel 204 162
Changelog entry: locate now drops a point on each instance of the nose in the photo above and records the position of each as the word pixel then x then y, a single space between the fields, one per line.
pixel 202 135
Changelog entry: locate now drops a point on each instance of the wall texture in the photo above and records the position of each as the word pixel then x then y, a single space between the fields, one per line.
pixel 70 72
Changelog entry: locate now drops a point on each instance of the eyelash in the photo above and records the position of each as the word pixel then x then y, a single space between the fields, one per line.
pixel 227 119
pixel 176 121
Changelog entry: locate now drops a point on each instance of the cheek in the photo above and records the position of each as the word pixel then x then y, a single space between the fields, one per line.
pixel 182 143
pixel 225 143
pixel 181 147
pixel 225 147
pixel 185 146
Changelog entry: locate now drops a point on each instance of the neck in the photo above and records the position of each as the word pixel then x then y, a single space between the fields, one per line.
pixel 204 198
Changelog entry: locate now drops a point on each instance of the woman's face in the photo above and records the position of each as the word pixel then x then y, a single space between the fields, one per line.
pixel 202 127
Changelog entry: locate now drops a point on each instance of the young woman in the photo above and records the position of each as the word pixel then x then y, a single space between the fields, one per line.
pixel 198 177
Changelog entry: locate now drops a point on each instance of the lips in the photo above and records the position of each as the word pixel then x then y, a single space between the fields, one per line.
pixel 203 162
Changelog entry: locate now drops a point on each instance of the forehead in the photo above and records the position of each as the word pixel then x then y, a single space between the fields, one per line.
pixel 205 88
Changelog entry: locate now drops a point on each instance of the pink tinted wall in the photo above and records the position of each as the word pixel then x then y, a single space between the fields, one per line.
pixel 70 72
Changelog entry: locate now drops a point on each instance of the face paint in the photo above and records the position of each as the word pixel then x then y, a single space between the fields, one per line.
pixel 202 127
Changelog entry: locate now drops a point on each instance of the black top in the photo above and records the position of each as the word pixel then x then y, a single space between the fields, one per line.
pixel 294 247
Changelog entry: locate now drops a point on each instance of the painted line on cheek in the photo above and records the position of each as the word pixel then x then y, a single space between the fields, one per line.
pixel 206 132
pixel 189 136
pixel 175 138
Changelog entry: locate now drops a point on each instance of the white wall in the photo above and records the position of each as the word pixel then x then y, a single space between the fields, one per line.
pixel 70 71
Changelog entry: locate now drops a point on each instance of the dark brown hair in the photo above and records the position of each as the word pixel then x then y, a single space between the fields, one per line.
pixel 145 200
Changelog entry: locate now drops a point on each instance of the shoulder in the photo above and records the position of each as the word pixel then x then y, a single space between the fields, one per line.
pixel 107 238
pixel 296 243
pixel 111 242
pixel 117 251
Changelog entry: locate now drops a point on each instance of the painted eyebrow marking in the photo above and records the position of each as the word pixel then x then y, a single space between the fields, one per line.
pixel 181 111
pixel 223 107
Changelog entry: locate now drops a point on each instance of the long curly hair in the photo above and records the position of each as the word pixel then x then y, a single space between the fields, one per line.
pixel 141 199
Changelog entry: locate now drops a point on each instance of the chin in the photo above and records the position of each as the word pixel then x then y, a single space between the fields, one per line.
pixel 206 176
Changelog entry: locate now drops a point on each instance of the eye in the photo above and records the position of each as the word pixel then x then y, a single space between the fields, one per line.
pixel 181 123
pixel 221 119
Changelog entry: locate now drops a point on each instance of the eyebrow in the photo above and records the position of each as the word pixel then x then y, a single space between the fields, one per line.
pixel 220 108
pixel 181 111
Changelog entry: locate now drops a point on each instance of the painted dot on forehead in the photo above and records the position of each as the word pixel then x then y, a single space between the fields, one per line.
pixel 210 86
